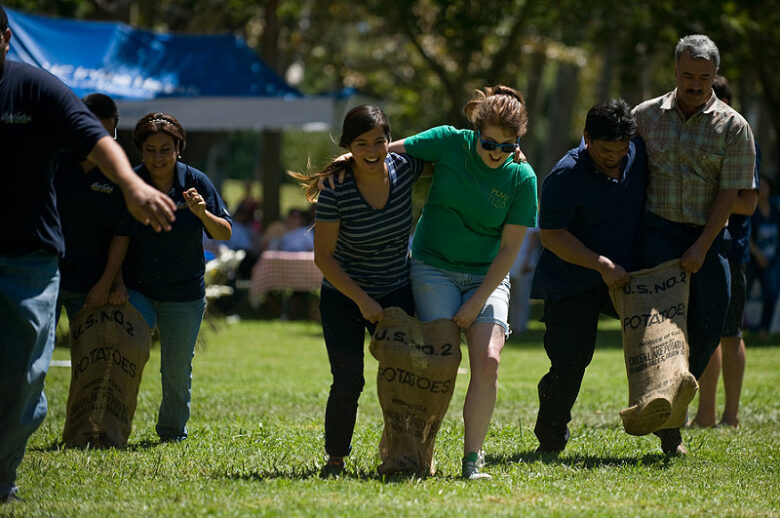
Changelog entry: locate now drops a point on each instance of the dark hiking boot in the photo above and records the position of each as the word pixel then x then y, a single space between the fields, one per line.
pixel 333 468
pixel 671 442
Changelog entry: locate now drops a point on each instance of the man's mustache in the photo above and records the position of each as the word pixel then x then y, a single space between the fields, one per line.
pixel 692 91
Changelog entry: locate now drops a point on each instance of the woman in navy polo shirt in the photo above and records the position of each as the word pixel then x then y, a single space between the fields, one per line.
pixel 164 272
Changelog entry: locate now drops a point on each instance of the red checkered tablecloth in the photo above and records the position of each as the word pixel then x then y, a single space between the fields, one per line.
pixel 293 271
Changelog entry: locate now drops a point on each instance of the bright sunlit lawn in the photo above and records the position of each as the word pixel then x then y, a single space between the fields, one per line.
pixel 256 444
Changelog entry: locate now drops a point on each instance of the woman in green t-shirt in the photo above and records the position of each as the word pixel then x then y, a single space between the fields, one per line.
pixel 480 203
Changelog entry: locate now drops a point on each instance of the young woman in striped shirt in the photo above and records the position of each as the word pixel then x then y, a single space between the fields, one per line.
pixel 361 240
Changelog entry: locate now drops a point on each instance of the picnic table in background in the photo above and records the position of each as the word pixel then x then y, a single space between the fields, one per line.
pixel 283 271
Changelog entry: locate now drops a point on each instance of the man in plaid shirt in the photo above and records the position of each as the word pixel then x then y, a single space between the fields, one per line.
pixel 701 154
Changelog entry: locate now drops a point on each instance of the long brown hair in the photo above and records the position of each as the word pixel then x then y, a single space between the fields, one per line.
pixel 357 121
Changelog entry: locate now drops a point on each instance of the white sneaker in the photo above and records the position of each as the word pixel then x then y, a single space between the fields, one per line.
pixel 472 466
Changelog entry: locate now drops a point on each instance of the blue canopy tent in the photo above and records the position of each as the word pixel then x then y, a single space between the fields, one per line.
pixel 209 82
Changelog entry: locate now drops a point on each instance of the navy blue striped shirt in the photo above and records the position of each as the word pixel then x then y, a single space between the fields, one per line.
pixel 373 244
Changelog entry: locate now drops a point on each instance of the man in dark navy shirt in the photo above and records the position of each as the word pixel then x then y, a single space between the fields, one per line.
pixel 589 219
pixel 38 117
pixel 90 207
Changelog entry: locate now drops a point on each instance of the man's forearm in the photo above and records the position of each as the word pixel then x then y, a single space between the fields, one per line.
pixel 112 161
pixel 562 243
pixel 117 250
pixel 719 215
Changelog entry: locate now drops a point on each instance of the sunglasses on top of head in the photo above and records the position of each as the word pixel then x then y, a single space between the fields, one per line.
pixel 488 145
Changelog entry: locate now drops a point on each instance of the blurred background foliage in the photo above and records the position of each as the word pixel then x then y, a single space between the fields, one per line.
pixel 421 59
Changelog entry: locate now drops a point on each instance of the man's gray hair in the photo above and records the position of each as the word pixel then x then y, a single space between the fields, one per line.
pixel 698 46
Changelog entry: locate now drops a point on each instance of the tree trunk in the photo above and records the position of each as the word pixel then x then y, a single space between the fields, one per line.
pixel 533 104
pixel 270 140
pixel 269 173
pixel 607 72
pixel 561 109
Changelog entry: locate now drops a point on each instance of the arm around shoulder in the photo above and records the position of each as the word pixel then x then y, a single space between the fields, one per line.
pixel 397 146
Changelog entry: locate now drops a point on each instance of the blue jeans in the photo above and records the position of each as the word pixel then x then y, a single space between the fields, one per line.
pixel 440 294
pixel 28 295
pixel 178 324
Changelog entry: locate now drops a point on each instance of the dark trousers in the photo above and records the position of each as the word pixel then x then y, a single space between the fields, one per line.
pixel 663 240
pixel 344 330
pixel 569 340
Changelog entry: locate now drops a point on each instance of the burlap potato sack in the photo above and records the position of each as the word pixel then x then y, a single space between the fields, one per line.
pixel 653 311
pixel 418 365
pixel 109 347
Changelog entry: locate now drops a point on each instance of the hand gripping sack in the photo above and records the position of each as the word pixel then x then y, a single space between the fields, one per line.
pixel 418 365
pixel 653 310
pixel 109 347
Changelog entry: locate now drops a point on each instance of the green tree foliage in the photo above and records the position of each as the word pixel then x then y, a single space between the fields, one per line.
pixel 421 59
pixel 641 37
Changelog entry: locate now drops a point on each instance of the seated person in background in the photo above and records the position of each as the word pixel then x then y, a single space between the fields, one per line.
pixel 297 236
pixel 521 275
pixel 251 206
pixel 244 238
pixel 90 206
pixel 272 234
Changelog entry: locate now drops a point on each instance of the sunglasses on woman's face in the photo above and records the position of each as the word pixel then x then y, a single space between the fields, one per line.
pixel 488 145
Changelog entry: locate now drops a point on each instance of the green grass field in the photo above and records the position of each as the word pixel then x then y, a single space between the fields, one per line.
pixel 256 444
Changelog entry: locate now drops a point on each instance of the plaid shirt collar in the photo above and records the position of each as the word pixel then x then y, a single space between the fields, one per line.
pixel 670 103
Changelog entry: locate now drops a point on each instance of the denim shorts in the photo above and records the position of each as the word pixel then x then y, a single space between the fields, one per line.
pixel 440 294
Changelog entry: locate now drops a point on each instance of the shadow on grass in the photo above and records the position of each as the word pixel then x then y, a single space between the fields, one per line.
pixel 141 445
pixel 314 474
pixel 55 445
pixel 145 444
pixel 659 460
pixel 652 460
pixel 260 475
pixel 59 444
